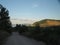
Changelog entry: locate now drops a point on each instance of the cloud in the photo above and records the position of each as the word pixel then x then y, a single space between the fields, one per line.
pixel 22 21
pixel 35 5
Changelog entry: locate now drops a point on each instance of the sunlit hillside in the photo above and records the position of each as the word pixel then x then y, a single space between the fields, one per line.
pixel 47 22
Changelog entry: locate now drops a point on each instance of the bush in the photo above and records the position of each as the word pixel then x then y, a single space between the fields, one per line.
pixel 49 35
pixel 3 36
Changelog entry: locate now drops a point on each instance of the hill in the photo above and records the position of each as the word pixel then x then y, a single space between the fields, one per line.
pixel 47 22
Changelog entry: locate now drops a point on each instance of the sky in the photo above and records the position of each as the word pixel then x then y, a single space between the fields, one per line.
pixel 32 9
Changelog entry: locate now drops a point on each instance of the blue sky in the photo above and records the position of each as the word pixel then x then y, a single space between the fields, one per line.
pixel 32 9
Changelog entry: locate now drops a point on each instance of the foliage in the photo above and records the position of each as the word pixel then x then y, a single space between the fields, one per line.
pixel 49 35
pixel 3 36
pixel 21 28
pixel 5 23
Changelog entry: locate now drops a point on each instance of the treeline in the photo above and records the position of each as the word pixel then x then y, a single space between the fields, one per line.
pixel 5 24
pixel 21 28
pixel 49 35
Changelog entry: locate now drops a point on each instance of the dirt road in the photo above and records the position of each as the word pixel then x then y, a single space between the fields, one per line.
pixel 16 39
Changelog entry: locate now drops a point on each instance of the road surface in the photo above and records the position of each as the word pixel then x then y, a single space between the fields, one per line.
pixel 16 39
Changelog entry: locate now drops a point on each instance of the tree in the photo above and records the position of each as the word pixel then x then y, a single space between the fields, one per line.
pixel 37 29
pixel 5 23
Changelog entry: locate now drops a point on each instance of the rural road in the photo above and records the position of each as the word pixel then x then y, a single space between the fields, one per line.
pixel 16 39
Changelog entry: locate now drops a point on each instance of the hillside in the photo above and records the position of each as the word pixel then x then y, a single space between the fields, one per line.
pixel 47 22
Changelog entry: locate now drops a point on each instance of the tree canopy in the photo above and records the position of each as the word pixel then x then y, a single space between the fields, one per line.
pixel 4 18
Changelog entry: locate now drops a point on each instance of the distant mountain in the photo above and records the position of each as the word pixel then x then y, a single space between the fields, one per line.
pixel 47 22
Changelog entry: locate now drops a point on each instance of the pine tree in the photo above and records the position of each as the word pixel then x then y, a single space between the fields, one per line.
pixel 5 23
